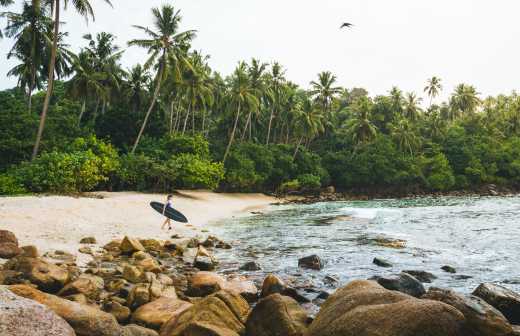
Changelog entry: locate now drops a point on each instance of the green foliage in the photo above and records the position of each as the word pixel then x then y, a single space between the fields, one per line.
pixel 195 172
pixel 290 186
pixel 438 173
pixel 9 185
pixel 309 182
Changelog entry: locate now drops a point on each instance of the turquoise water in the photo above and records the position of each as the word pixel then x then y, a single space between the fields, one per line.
pixel 479 236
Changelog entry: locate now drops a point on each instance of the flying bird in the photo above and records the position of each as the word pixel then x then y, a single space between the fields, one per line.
pixel 346 25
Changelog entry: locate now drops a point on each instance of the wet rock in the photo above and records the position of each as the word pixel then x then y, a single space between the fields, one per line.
pixel 135 330
pixel 113 246
pixel 311 262
pixel 246 289
pixel 79 298
pixel 88 240
pixel 250 266
pixel 271 285
pixel 276 315
pixel 151 244
pixel 46 276
pixel 205 283
pixel 382 262
pixel 85 320
pixel 139 295
pixel 204 264
pixel 220 314
pixel 130 245
pixel 120 312
pixel 88 285
pixel 331 280
pixel 30 251
pixel 422 276
pixel 295 294
pixel 462 277
pixel 148 265
pixel 86 250
pixel 193 243
pixel 323 295
pixel 23 317
pixel 154 314
pixel 481 318
pixel 502 298
pixel 404 283
pixel 211 241
pixel 448 269
pixel 364 308
pixel 223 245
pixel 8 245
pixel 132 274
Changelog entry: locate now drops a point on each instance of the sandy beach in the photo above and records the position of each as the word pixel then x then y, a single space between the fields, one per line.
pixel 59 222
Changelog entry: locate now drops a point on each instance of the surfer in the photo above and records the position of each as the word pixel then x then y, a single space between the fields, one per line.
pixel 168 204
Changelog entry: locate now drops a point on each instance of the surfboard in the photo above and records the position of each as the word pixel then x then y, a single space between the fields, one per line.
pixel 170 212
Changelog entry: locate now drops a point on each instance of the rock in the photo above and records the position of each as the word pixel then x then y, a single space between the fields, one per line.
pixel 135 330
pixel 481 318
pixel 30 251
pixel 88 240
pixel 132 274
pixel 331 280
pixel 8 237
pixel 502 298
pixel 151 244
pixel 205 283
pixel 139 295
pixel 23 317
pixel 250 266
pixel 113 246
pixel 154 314
pixel 8 245
pixel 276 315
pixel 381 262
pixel 48 277
pixel 130 245
pixel 364 308
pixel 223 245
pixel 312 262
pixel 295 294
pixel 85 250
pixel 79 298
pixel 516 330
pixel 120 312
pixel 422 276
pixel 204 264
pixel 271 285
pixel 148 265
pixel 448 269
pixel 246 289
pixel 86 284
pixel 220 314
pixel 85 320
pixel 404 283
pixel 211 241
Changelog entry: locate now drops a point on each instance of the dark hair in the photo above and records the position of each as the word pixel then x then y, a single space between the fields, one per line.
pixel 170 196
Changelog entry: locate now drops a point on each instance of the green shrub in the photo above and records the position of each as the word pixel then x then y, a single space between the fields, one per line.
pixel 438 173
pixel 290 186
pixel 309 182
pixel 142 173
pixel 10 186
pixel 195 172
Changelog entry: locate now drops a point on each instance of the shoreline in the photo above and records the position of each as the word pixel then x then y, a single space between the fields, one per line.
pixel 60 222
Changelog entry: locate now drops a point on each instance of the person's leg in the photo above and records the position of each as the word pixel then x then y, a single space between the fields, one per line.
pixel 164 223
pixel 169 224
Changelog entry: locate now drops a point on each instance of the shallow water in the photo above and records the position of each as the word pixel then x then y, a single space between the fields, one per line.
pixel 479 236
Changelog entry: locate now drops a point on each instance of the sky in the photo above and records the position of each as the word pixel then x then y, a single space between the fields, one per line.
pixel 398 42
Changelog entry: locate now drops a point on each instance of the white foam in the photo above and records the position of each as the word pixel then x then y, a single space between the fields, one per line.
pixel 367 213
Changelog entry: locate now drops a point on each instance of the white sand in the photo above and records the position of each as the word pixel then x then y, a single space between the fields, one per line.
pixel 58 223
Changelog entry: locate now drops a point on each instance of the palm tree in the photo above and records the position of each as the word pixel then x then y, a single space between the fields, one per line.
pixel 360 127
pixel 241 95
pixel 263 93
pixel 137 79
pixel 309 120
pixel 324 90
pixel 167 48
pixel 411 106
pixel 84 8
pixel 464 100
pixel 433 88
pixel 397 100
pixel 405 136
pixel 276 80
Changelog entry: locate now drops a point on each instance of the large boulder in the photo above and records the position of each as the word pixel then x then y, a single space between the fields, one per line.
pixel 154 314
pixel 312 262
pixel 502 298
pixel 85 320
pixel 135 330
pixel 245 288
pixel 365 308
pixel 220 314
pixel 481 318
pixel 271 285
pixel 48 277
pixel 276 315
pixel 87 284
pixel 130 245
pixel 23 317
pixel 205 283
pixel 8 245
pixel 404 283
pixel 422 276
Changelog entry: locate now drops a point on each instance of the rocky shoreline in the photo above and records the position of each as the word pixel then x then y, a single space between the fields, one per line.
pixel 135 287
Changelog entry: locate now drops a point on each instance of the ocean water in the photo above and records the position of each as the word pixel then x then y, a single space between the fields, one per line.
pixel 478 236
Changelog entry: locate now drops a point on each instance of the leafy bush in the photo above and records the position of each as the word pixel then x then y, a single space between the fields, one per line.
pixel 195 172
pixel 142 173
pixel 10 186
pixel 290 186
pixel 309 182
pixel 438 173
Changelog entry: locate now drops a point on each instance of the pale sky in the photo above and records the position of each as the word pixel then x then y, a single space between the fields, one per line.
pixel 394 42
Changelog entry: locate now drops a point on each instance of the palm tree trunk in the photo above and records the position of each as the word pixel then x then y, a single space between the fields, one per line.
pixel 269 127
pixel 248 123
pixel 232 137
pixel 152 104
pixel 297 147
pixel 193 122
pixel 186 119
pixel 177 117
pixel 171 116
pixel 50 83
pixel 203 121
pixel 82 110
